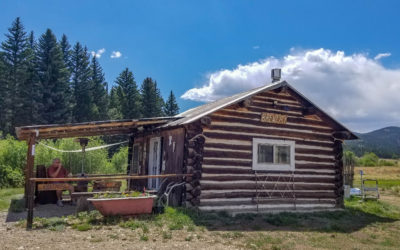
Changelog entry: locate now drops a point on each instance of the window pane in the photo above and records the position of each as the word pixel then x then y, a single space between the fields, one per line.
pixel 282 154
pixel 265 153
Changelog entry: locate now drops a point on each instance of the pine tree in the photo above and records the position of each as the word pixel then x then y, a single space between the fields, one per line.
pixel 15 51
pixel 53 75
pixel 83 101
pixel 32 93
pixel 152 102
pixel 66 50
pixel 128 95
pixel 171 107
pixel 3 92
pixel 99 91
pixel 114 108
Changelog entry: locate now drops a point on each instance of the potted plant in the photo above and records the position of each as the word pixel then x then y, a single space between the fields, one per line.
pixel 125 204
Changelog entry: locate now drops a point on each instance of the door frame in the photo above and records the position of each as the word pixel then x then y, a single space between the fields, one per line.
pixel 151 169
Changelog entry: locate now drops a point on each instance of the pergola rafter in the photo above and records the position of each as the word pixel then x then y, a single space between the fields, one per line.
pixel 31 134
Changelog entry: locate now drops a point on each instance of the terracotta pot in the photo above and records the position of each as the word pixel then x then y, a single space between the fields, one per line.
pixel 124 206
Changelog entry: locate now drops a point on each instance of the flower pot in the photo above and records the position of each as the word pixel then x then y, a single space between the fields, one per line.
pixel 124 206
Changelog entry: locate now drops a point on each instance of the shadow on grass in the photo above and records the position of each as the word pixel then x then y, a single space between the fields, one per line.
pixel 17 210
pixel 355 216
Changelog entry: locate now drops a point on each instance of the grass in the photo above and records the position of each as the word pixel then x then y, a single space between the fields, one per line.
pixel 361 225
pixel 10 196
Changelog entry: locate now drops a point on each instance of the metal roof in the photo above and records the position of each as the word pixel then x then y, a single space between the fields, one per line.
pixel 194 114
pixel 203 110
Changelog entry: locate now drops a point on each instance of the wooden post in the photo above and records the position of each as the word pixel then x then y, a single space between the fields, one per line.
pixel 31 194
pixel 30 185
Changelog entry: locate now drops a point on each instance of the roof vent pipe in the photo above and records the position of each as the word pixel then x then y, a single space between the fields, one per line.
pixel 276 75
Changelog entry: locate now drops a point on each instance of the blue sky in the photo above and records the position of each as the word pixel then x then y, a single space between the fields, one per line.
pixel 181 44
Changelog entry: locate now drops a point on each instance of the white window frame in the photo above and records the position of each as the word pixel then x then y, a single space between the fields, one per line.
pixel 272 166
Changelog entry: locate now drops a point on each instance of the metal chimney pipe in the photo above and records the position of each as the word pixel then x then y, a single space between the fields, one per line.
pixel 276 75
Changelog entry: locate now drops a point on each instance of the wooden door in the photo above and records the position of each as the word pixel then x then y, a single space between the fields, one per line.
pixel 154 162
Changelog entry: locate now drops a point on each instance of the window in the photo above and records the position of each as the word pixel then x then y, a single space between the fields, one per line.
pixel 273 154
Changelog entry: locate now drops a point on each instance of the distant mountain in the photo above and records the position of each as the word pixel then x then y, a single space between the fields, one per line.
pixel 384 142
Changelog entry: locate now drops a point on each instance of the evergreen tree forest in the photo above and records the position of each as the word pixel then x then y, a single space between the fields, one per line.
pixel 47 80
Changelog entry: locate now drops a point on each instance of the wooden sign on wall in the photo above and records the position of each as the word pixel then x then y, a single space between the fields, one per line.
pixel 273 118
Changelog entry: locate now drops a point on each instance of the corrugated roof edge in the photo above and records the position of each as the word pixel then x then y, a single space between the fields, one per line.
pixel 222 103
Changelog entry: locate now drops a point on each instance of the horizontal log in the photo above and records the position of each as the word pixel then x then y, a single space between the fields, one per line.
pixel 257 122
pixel 227 143
pixel 249 156
pixel 232 177
pixel 261 200
pixel 263 185
pixel 259 106
pixel 300 120
pixel 272 132
pixel 279 97
pixel 275 103
pixel 249 137
pixel 266 128
pixel 314 166
pixel 245 170
pixel 268 208
pixel 300 150
pixel 315 158
pixel 276 194
pixel 242 162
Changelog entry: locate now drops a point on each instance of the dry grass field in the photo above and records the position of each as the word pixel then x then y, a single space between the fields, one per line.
pixel 361 225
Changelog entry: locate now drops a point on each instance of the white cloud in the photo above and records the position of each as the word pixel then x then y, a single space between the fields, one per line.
pixel 116 54
pixel 256 47
pixel 382 55
pixel 355 89
pixel 98 53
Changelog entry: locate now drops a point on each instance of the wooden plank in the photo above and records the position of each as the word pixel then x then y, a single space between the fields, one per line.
pixel 126 177
pixel 54 186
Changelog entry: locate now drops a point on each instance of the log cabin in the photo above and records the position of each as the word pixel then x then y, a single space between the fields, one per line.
pixel 269 149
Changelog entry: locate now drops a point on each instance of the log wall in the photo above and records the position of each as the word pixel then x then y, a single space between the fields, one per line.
pixel 222 159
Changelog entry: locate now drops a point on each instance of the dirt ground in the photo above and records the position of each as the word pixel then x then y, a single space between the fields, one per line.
pixel 112 237
pixel 375 233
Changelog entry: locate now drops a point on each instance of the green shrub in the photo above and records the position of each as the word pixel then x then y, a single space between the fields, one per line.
pixel 12 162
pixel 387 163
pixel 369 160
pixel 119 160
pixel 13 158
